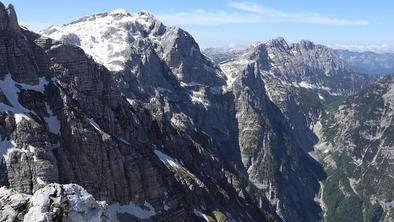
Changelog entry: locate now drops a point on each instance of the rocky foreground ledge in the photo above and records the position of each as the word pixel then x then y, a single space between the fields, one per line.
pixel 54 202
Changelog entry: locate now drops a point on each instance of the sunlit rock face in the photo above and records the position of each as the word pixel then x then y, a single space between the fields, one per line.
pixel 357 151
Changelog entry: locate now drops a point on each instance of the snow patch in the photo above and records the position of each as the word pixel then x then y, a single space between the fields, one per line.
pixel 144 212
pixel 38 88
pixel 11 91
pixel 161 89
pixel 131 101
pixel 190 84
pixel 200 214
pixel 97 127
pixel 353 183
pixel 19 117
pixel 232 69
pixel 167 160
pixel 52 121
pixel 306 85
pixel 176 166
pixel 40 181
pixel 199 97
pixel 119 11
pixel 124 141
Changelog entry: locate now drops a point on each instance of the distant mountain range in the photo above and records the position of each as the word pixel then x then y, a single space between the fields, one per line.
pixel 362 62
pixel 368 62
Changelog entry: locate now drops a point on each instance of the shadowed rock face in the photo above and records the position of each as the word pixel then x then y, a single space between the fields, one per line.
pixel 63 120
pixel 272 154
pixel 9 20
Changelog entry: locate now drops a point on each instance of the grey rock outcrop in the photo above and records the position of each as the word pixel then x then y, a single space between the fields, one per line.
pixel 69 202
pixel 12 205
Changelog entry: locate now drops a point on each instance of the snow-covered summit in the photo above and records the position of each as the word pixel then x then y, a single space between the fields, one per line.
pixel 119 11
pixel 123 41
pixel 107 36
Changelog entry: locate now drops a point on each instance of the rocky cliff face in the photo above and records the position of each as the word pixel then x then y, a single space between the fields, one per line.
pixel 300 79
pixel 256 116
pixel 163 67
pixel 357 151
pixel 145 127
pixel 274 157
pixel 354 135
pixel 64 120
pixel 121 40
pixel 303 65
pixel 282 90
pixel 172 72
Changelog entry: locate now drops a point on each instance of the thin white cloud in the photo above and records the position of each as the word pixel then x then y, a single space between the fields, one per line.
pixel 256 8
pixel 379 48
pixel 202 17
pixel 249 13
pixel 278 15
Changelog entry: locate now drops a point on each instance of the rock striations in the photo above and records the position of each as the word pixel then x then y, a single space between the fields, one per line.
pixel 357 151
pixel 145 127
pixel 255 116
pixel 64 121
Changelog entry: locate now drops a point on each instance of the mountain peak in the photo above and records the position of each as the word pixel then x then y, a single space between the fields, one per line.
pixel 8 18
pixel 142 15
pixel 147 19
pixel 278 42
pixel 13 20
pixel 119 11
pixel 108 36
pixel 144 12
pixel 307 44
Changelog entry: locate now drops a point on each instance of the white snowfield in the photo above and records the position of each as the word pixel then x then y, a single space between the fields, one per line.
pixel 11 92
pixel 107 36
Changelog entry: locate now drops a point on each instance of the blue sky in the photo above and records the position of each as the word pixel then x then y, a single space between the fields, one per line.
pixel 355 24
